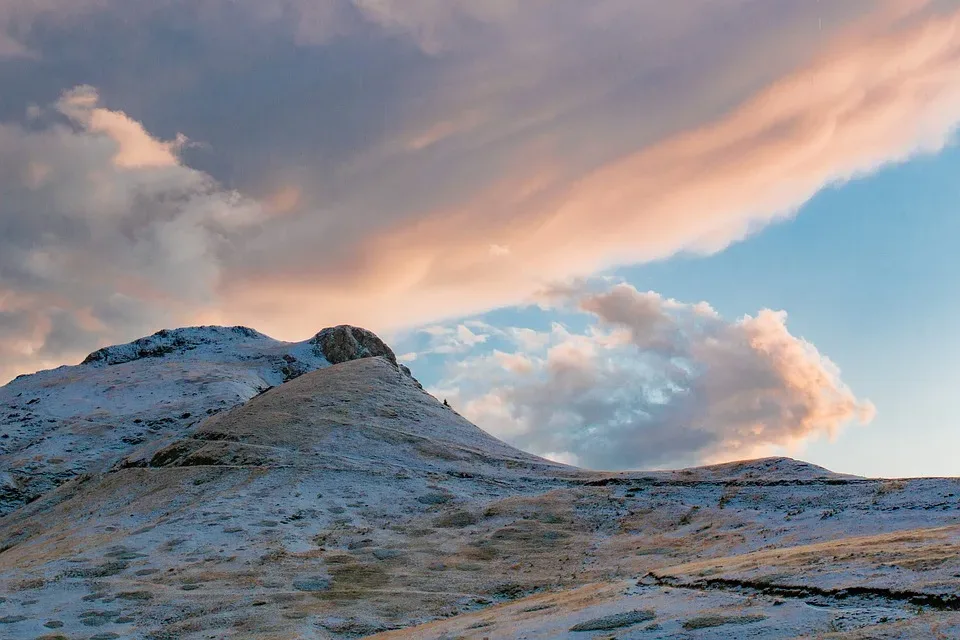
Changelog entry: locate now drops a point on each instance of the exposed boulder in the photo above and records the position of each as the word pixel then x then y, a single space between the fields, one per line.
pixel 344 342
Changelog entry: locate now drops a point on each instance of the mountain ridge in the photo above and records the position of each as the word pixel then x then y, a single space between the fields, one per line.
pixel 61 422
pixel 346 501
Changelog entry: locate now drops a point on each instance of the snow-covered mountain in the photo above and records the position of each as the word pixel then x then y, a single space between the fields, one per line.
pixel 59 423
pixel 315 490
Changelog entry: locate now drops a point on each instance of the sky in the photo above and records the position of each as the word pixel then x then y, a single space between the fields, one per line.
pixel 620 234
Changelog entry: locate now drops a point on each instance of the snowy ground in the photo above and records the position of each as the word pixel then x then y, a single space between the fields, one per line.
pixel 59 423
pixel 348 502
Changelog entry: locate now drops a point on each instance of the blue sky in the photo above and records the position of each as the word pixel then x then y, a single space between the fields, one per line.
pixel 866 272
pixel 579 231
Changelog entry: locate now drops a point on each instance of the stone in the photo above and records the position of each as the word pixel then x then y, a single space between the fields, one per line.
pixel 615 621
pixel 312 583
pixel 344 342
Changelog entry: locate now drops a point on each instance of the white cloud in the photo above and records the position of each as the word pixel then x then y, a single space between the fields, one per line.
pixel 120 236
pixel 456 339
pixel 678 385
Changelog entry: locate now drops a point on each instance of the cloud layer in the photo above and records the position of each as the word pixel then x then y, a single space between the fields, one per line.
pixel 104 232
pixel 293 164
pixel 651 382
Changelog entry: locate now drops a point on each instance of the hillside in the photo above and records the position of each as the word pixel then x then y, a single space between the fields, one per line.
pixel 338 499
pixel 73 419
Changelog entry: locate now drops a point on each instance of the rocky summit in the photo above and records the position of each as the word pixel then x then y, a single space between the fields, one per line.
pixel 61 423
pixel 213 482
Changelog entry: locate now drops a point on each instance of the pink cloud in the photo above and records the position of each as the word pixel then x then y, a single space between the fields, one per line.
pixel 135 148
pixel 889 88
pixel 518 171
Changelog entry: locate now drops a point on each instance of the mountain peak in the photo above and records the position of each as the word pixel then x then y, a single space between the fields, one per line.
pixel 345 342
pixel 77 419
pixel 167 341
pixel 334 344
pixel 778 467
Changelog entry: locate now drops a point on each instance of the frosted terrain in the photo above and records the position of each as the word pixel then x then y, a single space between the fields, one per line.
pixel 305 499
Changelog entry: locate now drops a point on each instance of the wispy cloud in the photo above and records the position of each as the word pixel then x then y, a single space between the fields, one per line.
pixel 393 163
pixel 883 92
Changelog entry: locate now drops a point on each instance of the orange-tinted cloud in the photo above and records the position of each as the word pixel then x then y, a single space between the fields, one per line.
pixel 136 149
pixel 888 89
pixel 495 151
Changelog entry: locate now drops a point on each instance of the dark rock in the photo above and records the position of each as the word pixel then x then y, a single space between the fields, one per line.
pixel 706 622
pixel 352 627
pixel 102 571
pixel 97 618
pixel 312 583
pixel 360 544
pixel 125 555
pixel 344 342
pixel 434 498
pixel 615 621
pixel 509 590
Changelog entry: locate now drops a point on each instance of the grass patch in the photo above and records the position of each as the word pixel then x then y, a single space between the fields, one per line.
pixel 353 581
pixel 456 520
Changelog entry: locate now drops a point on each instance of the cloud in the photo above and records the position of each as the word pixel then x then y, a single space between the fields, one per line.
pixel 391 163
pixel 136 149
pixel 450 340
pixel 104 233
pixel 657 382
pixel 884 90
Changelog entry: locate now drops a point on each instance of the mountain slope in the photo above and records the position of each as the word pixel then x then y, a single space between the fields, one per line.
pixel 340 457
pixel 900 585
pixel 59 423
pixel 347 501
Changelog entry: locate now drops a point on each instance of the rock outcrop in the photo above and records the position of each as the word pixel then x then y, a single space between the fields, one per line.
pixel 344 342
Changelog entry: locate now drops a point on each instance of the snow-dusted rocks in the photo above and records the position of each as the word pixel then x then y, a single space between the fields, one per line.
pixel 176 342
pixel 213 482
pixel 59 423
